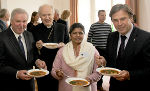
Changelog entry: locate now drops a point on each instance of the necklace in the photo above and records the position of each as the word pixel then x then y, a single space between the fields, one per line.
pixel 50 34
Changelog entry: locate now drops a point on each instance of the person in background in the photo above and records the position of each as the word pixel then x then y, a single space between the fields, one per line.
pixel 98 35
pixel 128 49
pixel 49 32
pixel 17 56
pixel 76 59
pixel 34 21
pixel 57 19
pixel 65 16
pixel 99 32
pixel 4 18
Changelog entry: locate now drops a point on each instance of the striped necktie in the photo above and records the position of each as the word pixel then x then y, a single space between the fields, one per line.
pixel 21 45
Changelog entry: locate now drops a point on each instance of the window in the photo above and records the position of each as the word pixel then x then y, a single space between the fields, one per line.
pixel 84 14
pixel 103 5
pixel 88 11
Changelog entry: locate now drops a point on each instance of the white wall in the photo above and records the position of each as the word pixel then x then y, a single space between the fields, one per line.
pixel 62 5
pixel 84 14
pixel 33 5
pixel 28 5
pixel 144 13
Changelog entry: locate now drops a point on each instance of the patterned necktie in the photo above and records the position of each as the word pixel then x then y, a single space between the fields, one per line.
pixel 21 45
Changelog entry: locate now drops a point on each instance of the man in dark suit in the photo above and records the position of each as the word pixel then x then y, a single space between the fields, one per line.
pixel 16 59
pixel 134 59
pixel 49 32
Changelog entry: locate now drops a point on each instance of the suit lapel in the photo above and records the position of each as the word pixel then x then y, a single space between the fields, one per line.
pixel 130 47
pixel 14 43
pixel 115 45
pixel 112 47
pixel 27 43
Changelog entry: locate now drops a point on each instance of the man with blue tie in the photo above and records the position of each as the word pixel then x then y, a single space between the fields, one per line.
pixel 17 54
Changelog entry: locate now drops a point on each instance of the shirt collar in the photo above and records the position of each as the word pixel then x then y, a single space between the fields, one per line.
pixel 16 35
pixel 128 34
pixel 49 26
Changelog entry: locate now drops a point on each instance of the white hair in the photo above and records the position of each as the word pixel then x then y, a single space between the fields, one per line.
pixel 18 11
pixel 45 5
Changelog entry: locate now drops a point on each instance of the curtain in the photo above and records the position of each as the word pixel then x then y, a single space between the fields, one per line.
pixel 134 5
pixel 74 11
pixel 0 4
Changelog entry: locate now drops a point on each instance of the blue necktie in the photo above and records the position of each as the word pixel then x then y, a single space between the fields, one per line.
pixel 21 45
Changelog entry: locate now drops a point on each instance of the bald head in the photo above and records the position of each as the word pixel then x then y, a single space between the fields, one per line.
pixel 46 13
pixel 45 6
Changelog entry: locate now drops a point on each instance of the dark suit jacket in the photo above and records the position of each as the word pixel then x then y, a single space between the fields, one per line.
pixel 30 26
pixel 136 60
pixel 12 60
pixel 2 26
pixel 61 21
pixel 57 33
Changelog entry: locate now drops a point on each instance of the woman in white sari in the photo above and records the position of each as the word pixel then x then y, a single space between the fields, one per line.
pixel 76 59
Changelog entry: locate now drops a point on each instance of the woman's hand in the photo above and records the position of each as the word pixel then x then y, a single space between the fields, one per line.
pixel 100 61
pixel 59 73
pixel 61 44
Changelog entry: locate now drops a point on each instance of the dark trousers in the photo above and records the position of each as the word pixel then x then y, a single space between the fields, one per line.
pixel 102 52
pixel 47 83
